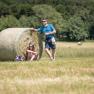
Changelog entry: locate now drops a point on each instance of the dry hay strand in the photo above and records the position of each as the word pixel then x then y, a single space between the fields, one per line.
pixel 14 41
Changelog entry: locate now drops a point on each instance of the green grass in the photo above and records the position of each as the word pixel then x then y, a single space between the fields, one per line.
pixel 74 50
pixel 67 75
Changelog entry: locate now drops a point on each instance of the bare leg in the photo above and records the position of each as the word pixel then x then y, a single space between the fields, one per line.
pixel 32 58
pixel 28 56
pixel 49 53
pixel 53 53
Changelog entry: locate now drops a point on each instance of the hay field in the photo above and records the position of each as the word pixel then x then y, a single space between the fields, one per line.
pixel 73 49
pixel 71 73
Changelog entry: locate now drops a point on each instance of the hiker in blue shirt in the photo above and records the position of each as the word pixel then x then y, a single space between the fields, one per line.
pixel 49 31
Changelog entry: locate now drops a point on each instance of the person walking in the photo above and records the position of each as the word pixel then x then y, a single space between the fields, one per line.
pixel 49 32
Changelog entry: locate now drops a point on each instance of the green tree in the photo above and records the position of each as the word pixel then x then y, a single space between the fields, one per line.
pixel 8 22
pixel 76 29
pixel 25 21
pixel 21 9
pixel 31 21
pixel 4 9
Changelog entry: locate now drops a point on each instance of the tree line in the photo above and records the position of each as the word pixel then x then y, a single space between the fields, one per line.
pixel 72 18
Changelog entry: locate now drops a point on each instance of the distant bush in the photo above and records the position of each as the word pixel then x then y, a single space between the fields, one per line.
pixel 8 22
pixel 76 29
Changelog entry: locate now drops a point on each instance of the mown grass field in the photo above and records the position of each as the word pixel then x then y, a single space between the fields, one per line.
pixel 71 73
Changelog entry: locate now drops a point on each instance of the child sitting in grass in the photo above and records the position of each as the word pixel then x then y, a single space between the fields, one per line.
pixel 31 54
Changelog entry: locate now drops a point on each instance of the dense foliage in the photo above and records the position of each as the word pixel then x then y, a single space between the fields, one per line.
pixel 75 17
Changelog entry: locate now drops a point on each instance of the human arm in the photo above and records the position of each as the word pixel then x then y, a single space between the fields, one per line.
pixel 32 51
pixel 33 29
pixel 51 32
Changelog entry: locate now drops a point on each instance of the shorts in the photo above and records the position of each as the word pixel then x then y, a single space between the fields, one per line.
pixel 50 44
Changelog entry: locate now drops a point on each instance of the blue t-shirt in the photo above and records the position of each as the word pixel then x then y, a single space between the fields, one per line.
pixel 46 29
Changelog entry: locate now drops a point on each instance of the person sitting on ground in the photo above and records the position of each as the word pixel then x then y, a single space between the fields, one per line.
pixel 31 54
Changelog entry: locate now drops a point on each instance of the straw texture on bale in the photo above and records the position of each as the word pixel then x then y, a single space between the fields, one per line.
pixel 14 41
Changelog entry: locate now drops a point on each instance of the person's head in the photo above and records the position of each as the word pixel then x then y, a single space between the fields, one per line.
pixel 31 46
pixel 44 21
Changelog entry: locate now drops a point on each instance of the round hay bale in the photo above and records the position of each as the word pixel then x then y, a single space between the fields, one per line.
pixel 14 41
